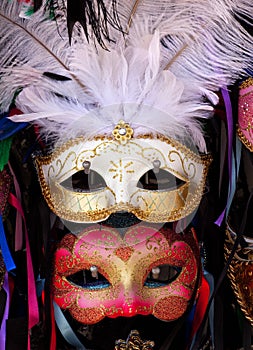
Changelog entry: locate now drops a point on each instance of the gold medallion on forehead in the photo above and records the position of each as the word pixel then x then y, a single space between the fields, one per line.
pixel 122 132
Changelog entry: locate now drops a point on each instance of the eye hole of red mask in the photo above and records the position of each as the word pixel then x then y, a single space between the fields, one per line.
pixel 84 279
pixel 159 276
pixel 162 275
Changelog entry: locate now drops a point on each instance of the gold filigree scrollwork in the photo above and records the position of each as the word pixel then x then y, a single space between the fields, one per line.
pixel 59 165
pixel 186 167
pixel 153 243
pixel 134 342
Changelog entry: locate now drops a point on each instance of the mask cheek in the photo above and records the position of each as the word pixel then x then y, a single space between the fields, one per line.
pixel 170 308
pixel 84 305
pixel 169 303
pixel 88 315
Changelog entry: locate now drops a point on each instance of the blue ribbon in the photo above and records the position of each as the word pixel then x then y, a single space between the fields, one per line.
pixel 65 329
pixel 9 128
pixel 9 263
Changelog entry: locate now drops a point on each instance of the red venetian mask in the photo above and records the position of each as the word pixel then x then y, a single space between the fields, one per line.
pixel 101 274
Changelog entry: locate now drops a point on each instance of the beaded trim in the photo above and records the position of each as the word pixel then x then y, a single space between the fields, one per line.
pixel 244 139
pixel 247 83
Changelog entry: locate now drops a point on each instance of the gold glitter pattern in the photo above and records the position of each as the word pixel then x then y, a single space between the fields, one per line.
pixel 5 186
pixel 244 139
pixel 245 114
pixel 119 169
pixel 170 308
pixel 246 83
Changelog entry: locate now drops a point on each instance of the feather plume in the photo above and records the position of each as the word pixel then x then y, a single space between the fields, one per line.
pixel 29 47
pixel 201 44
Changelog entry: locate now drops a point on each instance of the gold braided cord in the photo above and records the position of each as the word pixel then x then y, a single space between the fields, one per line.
pixel 244 139
pixel 235 270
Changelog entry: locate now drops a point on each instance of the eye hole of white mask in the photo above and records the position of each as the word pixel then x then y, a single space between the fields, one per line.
pixel 151 181
pixel 82 182
pixel 162 275
pixel 162 180
pixel 85 279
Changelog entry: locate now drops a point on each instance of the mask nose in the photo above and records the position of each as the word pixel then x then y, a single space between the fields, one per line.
pixel 132 301
pixel 130 307
pixel 133 305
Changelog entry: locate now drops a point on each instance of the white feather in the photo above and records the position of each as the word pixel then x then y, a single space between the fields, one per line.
pixel 29 47
pixel 200 43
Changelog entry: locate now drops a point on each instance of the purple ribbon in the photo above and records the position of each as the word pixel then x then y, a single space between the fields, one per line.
pixel 6 313
pixel 229 115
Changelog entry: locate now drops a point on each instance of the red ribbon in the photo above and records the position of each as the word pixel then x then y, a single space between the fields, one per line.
pixel 33 310
pixel 204 294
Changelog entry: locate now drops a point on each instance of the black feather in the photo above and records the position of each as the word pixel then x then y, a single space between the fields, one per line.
pixel 54 76
pixel 37 4
pixel 89 13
